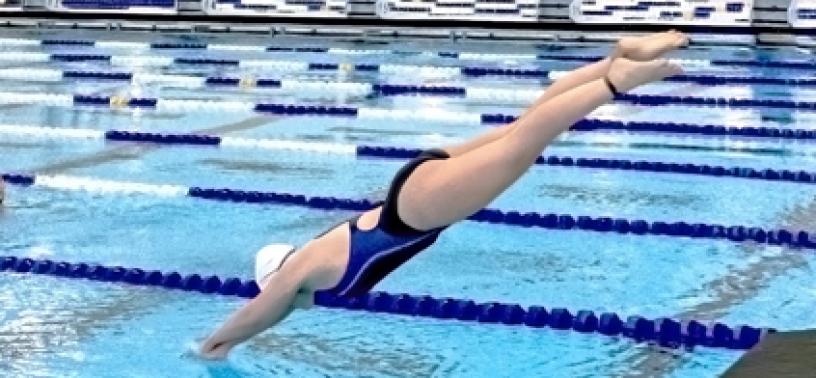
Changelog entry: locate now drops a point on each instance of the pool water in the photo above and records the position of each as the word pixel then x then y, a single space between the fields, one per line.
pixel 56 327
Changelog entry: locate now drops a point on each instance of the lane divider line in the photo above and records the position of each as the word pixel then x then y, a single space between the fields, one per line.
pixel 665 332
pixel 803 177
pixel 796 64
pixel 638 227
pixel 427 115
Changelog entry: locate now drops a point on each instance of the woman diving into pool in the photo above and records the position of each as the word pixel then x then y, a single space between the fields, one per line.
pixel 438 188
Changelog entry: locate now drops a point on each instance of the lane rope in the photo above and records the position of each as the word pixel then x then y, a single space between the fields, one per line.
pixel 784 175
pixel 665 332
pixel 250 81
pixel 438 115
pixel 550 221
pixel 800 63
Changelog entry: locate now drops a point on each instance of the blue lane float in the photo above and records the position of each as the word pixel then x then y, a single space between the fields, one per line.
pixel 586 125
pixel 629 165
pixel 797 64
pixel 207 61
pixel 269 108
pixel 187 139
pixel 803 177
pixel 397 89
pixel 80 58
pixel 178 46
pixel 173 46
pixel 725 80
pixel 135 103
pixel 67 42
pixel 18 179
pixel 665 332
pixel 471 71
pixel 477 71
pixel 551 221
pixel 425 90
pixel 113 76
pixel 801 239
pixel 298 49
pixel 656 100
pixel 738 234
pixel 128 76
pixel 489 119
pixel 675 128
pixel 639 99
pixel 497 71
pixel 234 82
pixel 320 110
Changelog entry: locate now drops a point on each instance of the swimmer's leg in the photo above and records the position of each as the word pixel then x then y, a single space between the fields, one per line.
pixel 644 48
pixel 441 192
pixel 574 79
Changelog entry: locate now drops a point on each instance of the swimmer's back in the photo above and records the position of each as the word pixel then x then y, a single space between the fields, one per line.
pixel 326 257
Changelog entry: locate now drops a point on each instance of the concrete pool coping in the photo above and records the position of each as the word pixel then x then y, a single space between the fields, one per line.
pixel 783 354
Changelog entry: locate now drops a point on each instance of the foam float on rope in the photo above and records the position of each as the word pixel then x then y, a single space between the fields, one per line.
pixel 33 74
pixel 320 49
pixel 784 175
pixel 440 116
pixel 430 115
pixel 326 88
pixel 638 227
pixel 391 89
pixel 795 64
pixel 799 64
pixel 665 332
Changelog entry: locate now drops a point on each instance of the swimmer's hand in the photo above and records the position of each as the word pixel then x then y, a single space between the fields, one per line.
pixel 211 350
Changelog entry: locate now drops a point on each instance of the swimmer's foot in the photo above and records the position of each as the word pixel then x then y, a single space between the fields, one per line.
pixel 651 46
pixel 627 74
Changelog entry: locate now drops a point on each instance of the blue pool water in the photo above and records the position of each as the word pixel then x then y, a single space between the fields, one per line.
pixel 56 327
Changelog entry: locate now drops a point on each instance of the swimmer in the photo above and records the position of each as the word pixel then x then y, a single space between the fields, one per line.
pixel 433 191
pixel 2 191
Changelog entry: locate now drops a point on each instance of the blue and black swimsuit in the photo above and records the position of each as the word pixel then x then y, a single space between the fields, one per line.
pixel 375 253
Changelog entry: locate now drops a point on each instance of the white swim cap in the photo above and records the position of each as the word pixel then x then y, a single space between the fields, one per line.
pixel 269 260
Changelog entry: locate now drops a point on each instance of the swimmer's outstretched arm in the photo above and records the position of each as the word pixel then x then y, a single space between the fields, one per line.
pixel 270 307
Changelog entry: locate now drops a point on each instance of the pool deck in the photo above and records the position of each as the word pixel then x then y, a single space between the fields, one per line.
pixel 784 354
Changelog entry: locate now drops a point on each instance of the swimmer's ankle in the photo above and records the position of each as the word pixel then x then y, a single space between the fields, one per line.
pixel 611 86
pixel 625 74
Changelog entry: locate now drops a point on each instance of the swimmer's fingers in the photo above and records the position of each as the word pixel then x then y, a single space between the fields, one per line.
pixel 212 351
pixel 215 355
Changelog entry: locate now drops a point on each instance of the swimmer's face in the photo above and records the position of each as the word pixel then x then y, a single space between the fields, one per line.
pixel 2 191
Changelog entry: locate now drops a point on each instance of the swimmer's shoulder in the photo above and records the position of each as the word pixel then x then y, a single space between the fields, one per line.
pixel 326 257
